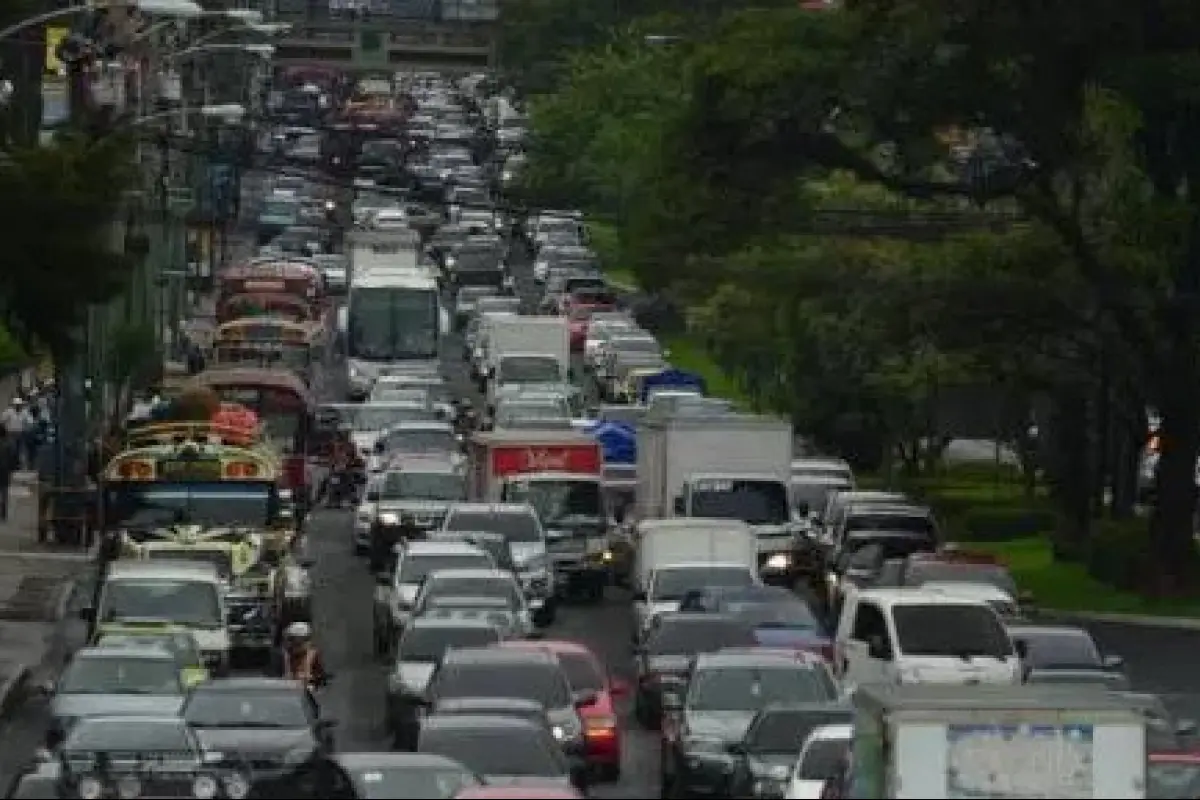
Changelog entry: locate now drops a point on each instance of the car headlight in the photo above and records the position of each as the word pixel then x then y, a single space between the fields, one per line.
pixel 90 788
pixel 559 732
pixel 779 561
pixel 389 519
pixel 129 787
pixel 205 787
pixel 237 786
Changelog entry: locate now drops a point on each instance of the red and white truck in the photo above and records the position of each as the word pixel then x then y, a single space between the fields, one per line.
pixel 498 455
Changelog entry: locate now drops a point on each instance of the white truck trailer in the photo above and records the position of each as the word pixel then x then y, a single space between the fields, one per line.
pixel 928 741
pixel 728 466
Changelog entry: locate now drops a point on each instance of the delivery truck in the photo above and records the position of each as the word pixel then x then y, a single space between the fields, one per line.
pixel 730 466
pixel 496 456
pixel 930 741
pixel 525 350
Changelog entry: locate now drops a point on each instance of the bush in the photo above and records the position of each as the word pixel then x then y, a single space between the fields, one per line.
pixel 1117 555
pixel 1003 523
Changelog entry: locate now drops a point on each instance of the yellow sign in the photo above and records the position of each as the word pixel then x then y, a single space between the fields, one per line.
pixel 54 37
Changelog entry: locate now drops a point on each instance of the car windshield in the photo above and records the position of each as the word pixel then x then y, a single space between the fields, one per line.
pixel 558 501
pixel 429 644
pixel 140 736
pixel 823 759
pixel 503 750
pixel 950 630
pixel 537 681
pixel 152 505
pixel 773 614
pixel 222 559
pixel 182 645
pixel 184 602
pixel 1055 650
pixel 582 672
pixel 416 566
pixel 513 527
pixel 424 486
pixel 911 523
pixel 784 730
pixel 750 688
pixel 529 369
pixel 249 709
pixel 677 637
pixel 419 440
pixel 368 418
pixel 121 675
pixel 672 584
pixel 410 783
pixel 758 502
pixel 476 586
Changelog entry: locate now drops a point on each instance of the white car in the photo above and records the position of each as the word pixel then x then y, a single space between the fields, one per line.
pixel 820 756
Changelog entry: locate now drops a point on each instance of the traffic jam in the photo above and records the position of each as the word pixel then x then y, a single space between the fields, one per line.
pixel 413 395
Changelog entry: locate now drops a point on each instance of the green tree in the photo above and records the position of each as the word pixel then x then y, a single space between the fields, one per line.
pixel 57 206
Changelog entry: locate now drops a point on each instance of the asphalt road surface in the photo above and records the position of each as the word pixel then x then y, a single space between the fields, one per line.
pixel 1159 660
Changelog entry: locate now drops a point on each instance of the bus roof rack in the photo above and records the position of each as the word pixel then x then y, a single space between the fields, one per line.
pixel 198 432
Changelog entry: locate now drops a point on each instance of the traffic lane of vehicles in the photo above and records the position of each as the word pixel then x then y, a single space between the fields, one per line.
pixel 1158 660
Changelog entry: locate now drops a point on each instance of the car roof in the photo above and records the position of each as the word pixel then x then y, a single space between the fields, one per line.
pixel 476 721
pixel 1024 629
pixel 883 509
pixel 832 733
pixel 497 655
pixel 441 547
pixel 689 617
pixel 162 569
pixel 448 623
pixel 481 572
pixel 492 508
pixel 450 601
pixel 757 657
pixel 521 704
pixel 393 760
pixel 250 684
pixel 149 652
pixel 555 646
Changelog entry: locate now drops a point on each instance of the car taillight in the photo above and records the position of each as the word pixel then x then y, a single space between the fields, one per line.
pixel 600 726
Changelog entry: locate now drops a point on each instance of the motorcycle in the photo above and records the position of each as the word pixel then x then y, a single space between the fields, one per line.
pixel 340 490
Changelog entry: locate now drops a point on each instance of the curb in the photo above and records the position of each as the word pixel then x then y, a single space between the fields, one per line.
pixel 1133 620
pixel 12 691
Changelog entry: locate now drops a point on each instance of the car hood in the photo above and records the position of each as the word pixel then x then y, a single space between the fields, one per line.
pixel 254 743
pixel 74 706
pixel 725 726
pixel 790 638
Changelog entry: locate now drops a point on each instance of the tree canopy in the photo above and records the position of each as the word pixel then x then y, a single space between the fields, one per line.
pixel 867 209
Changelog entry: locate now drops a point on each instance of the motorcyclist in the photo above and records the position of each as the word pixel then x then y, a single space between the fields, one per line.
pixel 384 539
pixel 301 659
pixel 340 477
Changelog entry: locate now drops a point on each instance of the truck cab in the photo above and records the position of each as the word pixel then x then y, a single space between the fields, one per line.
pixel 571 507
pixel 906 636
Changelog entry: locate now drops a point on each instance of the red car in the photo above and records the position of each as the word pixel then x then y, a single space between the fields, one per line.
pixel 517 793
pixel 1173 774
pixel 584 672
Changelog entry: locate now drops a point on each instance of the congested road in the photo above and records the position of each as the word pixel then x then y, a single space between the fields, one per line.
pixel 1159 660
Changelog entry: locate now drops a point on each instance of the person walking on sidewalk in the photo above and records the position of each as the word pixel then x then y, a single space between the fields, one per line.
pixel 17 424
pixel 8 465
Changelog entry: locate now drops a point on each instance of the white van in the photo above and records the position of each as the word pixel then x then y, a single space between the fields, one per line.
pixel 894 636
pixel 187 594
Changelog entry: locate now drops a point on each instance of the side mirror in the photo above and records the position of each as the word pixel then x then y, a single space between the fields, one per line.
pixel 736 748
pixel 372 497
pixel 46 688
pixel 1185 727
pixel 679 506
pixel 87 614
pixel 802 511
pixel 618 687
pixel 1022 648
pixel 585 699
pixel 877 647
pixel 327 724
pixel 637 649
pixel 1025 598
pixel 671 701
pixel 377 448
pixel 1113 662
pixel 383 579
pixel 639 597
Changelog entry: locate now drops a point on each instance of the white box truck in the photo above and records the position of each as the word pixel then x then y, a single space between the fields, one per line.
pixel 730 466
pixel 932 742
pixel 527 350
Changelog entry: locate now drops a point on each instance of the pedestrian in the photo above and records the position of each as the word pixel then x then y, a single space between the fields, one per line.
pixel 18 426
pixel 8 464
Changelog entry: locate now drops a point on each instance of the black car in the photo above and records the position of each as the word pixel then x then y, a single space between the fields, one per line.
pixel 763 759
pixel 272 725
pixel 502 750
pixel 725 692
pixel 399 776
pixel 1065 654
pixel 664 658
pixel 136 756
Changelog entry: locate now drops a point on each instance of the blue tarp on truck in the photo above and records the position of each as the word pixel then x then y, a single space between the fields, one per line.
pixel 671 378
pixel 617 441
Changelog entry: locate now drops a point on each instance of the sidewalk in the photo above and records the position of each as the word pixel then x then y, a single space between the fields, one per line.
pixel 38 620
